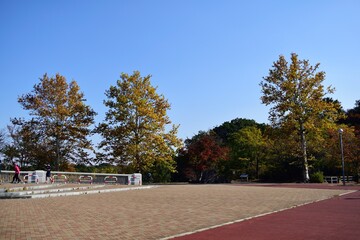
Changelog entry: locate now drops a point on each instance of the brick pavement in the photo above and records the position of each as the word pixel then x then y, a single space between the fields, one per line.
pixel 145 214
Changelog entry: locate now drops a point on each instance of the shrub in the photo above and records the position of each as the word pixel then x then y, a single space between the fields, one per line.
pixel 317 177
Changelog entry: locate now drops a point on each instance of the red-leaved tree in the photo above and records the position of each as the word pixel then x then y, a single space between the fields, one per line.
pixel 204 153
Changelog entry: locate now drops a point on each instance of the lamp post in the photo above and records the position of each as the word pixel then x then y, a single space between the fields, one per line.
pixel 342 155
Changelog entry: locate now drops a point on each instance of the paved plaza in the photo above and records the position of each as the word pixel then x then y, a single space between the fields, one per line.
pixel 155 213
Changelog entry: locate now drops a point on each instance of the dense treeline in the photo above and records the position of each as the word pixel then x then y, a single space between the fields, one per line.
pixel 301 143
pixel 266 153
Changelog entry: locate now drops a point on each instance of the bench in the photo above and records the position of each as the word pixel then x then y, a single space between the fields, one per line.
pixel 244 176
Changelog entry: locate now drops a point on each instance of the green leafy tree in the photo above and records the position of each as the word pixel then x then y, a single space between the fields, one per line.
pixel 225 130
pixel 249 143
pixel 60 118
pixel 160 173
pixel 296 93
pixel 283 156
pixel 134 130
pixel 235 165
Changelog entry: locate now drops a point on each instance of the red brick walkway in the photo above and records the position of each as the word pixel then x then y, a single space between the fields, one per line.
pixel 336 218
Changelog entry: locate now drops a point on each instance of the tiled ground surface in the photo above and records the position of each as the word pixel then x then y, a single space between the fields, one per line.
pixel 144 214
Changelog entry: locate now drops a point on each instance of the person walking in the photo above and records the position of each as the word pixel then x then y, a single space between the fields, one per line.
pixel 16 178
pixel 48 173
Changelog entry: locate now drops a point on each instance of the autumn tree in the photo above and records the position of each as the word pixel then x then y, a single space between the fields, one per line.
pixel 135 128
pixel 204 152
pixel 60 119
pixel 20 146
pixel 29 144
pixel 330 157
pixel 296 94
pixel 353 118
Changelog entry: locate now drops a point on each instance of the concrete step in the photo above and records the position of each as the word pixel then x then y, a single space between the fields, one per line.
pixel 58 190
pixel 22 187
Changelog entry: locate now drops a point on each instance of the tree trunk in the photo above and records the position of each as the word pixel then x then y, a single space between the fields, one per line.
pixel 57 149
pixel 257 168
pixel 304 154
pixel 201 175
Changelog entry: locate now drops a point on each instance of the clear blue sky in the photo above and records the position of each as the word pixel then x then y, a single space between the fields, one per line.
pixel 206 57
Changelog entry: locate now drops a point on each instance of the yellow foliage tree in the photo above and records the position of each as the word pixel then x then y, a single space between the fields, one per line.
pixel 296 93
pixel 134 130
pixel 60 118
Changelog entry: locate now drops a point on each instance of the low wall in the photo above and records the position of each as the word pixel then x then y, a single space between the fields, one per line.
pixel 78 177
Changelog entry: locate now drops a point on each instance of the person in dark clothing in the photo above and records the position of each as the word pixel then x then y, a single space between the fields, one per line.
pixel 48 173
pixel 16 178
